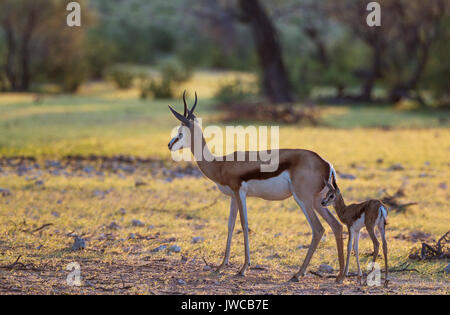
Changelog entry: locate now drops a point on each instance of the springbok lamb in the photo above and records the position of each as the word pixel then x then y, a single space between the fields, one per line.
pixel 300 173
pixel 371 213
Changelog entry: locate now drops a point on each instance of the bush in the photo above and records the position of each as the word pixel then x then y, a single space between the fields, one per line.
pixel 234 91
pixel 122 78
pixel 157 88
pixel 174 70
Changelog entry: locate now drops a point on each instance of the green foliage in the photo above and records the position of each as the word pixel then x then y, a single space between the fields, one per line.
pixel 101 54
pixel 172 72
pixel 122 78
pixel 233 91
pixel 157 88
pixel 173 69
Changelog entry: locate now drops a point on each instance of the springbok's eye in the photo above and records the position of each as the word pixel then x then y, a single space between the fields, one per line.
pixel 332 196
pixel 180 135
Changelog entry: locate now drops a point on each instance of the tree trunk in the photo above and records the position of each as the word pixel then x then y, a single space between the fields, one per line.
pixel 275 80
pixel 10 54
pixel 403 89
pixel 367 88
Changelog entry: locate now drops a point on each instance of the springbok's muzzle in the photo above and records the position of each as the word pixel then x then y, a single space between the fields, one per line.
pixel 172 142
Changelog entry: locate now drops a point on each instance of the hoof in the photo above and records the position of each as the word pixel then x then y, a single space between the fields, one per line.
pixel 360 280
pixel 339 279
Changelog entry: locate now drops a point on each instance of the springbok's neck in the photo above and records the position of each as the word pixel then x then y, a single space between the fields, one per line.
pixel 339 206
pixel 202 155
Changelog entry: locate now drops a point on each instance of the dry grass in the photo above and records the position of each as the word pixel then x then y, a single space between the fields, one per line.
pixel 175 211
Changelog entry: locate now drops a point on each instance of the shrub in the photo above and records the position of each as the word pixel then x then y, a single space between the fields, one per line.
pixel 234 91
pixel 174 70
pixel 157 88
pixel 122 78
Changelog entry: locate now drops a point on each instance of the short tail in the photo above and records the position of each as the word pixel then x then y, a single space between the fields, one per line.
pixel 384 213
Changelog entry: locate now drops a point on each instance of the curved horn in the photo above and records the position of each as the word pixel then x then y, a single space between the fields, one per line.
pixel 185 106
pixel 179 116
pixel 191 112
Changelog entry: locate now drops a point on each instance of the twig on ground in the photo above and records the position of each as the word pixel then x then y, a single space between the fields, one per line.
pixel 11 266
pixel 41 227
pixel 438 251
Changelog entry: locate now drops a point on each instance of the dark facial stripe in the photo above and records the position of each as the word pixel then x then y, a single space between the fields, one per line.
pixel 175 141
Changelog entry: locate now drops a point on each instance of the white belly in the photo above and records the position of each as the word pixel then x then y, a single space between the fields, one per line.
pixel 275 188
pixel 358 224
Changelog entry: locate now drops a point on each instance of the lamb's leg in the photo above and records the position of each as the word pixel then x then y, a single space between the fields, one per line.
pixel 376 243
pixel 383 238
pixel 356 250
pixel 349 250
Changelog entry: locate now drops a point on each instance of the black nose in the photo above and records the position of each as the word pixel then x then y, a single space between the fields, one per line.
pixel 323 203
pixel 168 145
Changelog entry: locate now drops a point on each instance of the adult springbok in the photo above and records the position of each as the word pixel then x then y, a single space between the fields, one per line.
pixel 300 173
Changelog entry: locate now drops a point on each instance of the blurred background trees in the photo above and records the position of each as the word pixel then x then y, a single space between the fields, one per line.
pixel 295 46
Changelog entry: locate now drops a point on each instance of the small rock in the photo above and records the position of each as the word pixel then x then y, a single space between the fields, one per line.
pixel 447 269
pixel 137 223
pixel 114 226
pixel 139 183
pixel 78 243
pixel 122 211
pixel 159 248
pixel 5 192
pixel 39 183
pixel 174 249
pixel 39 247
pixel 396 167
pixel 426 163
pixel 443 186
pixel 197 239
pixel 278 234
pixel 347 176
pixel 55 214
pixel 302 246
pixel 274 256
pixel 132 236
pixel 380 161
pixel 181 281
pixel 88 169
pixel 207 268
pixel 184 259
pixel 326 268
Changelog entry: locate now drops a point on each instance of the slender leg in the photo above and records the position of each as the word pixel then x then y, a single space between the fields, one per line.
pixel 337 230
pixel 231 223
pixel 356 250
pixel 317 231
pixel 349 250
pixel 385 252
pixel 242 206
pixel 376 244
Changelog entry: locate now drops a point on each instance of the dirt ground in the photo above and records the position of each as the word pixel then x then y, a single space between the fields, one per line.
pixel 172 276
